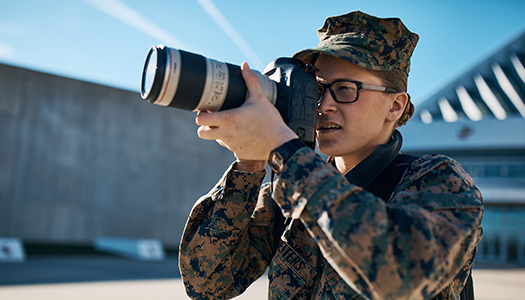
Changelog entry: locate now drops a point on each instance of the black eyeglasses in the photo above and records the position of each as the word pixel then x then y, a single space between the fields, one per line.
pixel 347 91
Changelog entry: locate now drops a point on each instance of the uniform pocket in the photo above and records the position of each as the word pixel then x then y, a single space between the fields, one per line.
pixel 289 272
pixel 340 289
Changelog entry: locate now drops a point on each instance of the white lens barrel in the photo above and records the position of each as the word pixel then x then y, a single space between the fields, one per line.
pixel 216 87
pixel 171 78
pixel 269 87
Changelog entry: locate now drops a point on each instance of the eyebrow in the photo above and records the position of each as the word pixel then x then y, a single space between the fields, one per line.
pixel 335 79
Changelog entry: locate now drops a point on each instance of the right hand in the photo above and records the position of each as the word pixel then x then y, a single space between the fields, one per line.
pixel 250 131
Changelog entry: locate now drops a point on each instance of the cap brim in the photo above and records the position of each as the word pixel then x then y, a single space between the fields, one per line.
pixel 356 55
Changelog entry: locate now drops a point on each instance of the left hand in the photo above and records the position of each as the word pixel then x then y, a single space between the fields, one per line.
pixel 250 131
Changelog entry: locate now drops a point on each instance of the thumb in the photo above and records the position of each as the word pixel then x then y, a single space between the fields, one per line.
pixel 255 91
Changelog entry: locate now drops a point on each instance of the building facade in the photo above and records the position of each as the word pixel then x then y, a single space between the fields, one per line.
pixel 479 119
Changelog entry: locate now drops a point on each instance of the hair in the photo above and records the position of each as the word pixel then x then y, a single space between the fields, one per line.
pixel 397 79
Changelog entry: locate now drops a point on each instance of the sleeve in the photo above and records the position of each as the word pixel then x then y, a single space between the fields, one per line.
pixel 410 247
pixel 228 242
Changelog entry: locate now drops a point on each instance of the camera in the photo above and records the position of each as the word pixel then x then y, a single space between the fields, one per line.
pixel 189 81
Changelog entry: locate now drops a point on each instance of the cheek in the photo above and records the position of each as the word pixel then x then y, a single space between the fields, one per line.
pixel 377 111
pixel 362 115
pixel 366 120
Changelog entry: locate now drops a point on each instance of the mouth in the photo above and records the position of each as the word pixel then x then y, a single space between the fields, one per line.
pixel 327 126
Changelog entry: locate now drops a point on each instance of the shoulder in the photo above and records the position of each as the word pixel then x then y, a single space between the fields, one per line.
pixel 437 176
pixel 436 166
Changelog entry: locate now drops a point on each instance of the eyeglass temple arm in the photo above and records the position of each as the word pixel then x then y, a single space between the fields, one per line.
pixel 374 87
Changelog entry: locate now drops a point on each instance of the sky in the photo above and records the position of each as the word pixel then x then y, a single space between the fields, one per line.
pixel 106 41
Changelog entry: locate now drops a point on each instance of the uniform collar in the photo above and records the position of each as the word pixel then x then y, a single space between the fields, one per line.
pixel 369 168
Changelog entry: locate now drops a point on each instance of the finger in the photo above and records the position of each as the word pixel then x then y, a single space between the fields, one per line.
pixel 252 83
pixel 207 125
pixel 208 132
pixel 211 119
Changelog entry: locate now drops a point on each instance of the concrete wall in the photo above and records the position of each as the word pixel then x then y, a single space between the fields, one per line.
pixel 80 160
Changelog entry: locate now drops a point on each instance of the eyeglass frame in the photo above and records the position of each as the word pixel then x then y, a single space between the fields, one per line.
pixel 360 86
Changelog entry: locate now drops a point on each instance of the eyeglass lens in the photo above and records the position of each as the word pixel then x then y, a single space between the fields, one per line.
pixel 341 91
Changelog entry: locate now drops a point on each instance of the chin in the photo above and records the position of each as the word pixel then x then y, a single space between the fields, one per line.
pixel 329 149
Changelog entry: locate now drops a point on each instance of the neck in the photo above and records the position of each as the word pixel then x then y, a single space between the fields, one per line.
pixel 347 162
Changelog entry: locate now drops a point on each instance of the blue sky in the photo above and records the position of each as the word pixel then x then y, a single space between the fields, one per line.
pixel 106 41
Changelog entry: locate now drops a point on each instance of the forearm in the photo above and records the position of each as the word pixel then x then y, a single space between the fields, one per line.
pixel 216 233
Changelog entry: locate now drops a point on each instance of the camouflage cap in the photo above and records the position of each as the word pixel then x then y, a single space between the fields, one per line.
pixel 367 41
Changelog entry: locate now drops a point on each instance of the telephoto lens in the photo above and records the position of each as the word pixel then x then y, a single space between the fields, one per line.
pixel 190 81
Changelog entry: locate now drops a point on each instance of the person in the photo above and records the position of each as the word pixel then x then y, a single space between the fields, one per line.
pixel 369 223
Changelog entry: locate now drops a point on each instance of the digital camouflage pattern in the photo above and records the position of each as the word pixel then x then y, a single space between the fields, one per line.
pixel 374 43
pixel 342 241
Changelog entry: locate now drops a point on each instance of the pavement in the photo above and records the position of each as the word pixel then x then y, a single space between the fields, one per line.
pixel 109 277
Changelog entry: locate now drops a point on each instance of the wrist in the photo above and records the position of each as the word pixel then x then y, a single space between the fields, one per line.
pixel 284 137
pixel 253 166
pixel 280 155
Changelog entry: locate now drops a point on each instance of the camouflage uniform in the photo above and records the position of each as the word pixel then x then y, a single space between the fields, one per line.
pixel 342 241
pixel 339 241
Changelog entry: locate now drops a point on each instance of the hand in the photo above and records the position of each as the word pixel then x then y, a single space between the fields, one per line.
pixel 250 131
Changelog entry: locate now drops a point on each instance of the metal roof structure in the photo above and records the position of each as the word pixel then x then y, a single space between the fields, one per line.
pixel 479 120
pixel 480 113
pixel 495 88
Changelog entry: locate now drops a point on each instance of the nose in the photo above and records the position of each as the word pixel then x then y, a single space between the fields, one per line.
pixel 326 103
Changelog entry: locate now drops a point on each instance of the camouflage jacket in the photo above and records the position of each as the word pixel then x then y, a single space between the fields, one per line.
pixel 341 242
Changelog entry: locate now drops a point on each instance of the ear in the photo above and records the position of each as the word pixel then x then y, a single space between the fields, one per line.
pixel 398 104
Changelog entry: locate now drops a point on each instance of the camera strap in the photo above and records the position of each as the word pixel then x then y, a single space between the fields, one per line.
pixel 381 171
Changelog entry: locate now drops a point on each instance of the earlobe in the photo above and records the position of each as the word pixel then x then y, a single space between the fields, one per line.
pixel 399 102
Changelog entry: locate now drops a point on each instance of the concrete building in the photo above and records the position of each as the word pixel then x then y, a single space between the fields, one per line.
pixel 479 119
pixel 79 161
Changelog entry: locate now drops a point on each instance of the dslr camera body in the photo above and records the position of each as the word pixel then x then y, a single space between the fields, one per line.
pixel 192 82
